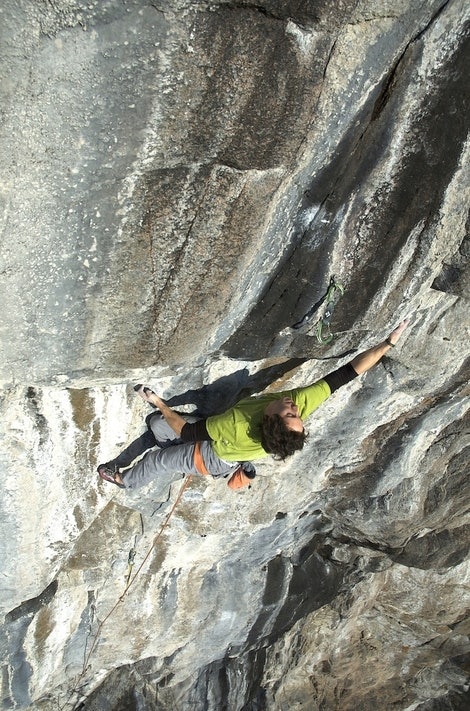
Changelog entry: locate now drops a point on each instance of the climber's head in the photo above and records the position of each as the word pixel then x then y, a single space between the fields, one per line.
pixel 288 411
pixel 282 430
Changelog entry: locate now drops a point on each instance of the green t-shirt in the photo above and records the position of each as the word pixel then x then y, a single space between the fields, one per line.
pixel 236 434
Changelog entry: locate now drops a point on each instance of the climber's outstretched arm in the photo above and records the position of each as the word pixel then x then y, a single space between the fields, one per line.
pixel 175 420
pixel 369 358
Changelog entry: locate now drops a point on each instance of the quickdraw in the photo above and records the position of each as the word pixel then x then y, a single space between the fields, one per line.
pixel 322 328
pixel 130 565
pixel 133 551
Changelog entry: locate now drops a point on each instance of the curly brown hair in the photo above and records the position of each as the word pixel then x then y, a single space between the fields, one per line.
pixel 279 440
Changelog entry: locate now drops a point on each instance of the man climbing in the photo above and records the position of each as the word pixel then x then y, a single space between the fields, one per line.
pixel 223 445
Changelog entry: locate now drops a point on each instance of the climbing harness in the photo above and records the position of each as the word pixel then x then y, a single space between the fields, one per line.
pixel 322 328
pixel 199 461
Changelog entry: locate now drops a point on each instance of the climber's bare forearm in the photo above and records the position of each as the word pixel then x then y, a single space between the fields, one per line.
pixel 365 361
pixel 175 421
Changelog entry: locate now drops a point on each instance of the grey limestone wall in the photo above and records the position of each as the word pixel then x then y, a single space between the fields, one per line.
pixel 180 180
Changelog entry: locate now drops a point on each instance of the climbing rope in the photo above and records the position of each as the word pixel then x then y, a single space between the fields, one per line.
pixel 130 580
pixel 322 328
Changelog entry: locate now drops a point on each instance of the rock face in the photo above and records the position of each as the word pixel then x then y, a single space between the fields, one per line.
pixel 180 181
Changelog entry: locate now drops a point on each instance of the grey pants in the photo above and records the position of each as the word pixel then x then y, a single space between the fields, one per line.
pixel 173 459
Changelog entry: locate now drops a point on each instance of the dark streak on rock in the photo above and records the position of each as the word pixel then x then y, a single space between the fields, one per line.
pixel 30 607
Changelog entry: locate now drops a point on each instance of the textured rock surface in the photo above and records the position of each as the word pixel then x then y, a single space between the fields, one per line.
pixel 180 180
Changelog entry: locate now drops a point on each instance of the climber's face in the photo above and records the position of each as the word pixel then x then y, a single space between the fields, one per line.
pixel 288 411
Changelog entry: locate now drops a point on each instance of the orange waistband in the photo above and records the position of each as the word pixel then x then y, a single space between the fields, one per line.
pixel 199 461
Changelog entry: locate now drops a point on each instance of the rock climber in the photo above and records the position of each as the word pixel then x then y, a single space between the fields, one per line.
pixel 224 445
